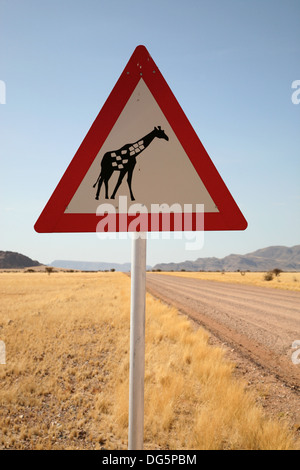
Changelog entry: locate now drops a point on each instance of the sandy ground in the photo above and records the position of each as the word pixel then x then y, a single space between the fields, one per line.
pixel 257 326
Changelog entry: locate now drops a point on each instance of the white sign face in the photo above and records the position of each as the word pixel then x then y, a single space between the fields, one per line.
pixel 144 155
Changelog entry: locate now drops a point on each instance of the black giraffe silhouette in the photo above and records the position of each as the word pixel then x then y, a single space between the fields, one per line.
pixel 124 161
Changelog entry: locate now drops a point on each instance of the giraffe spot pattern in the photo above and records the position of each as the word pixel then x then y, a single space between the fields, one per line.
pixel 118 160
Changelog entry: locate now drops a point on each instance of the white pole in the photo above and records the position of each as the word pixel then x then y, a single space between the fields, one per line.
pixel 137 344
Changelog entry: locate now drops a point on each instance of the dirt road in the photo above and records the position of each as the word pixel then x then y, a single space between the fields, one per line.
pixel 259 324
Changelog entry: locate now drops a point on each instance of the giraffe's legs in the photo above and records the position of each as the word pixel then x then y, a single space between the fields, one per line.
pixel 106 178
pixel 129 179
pixel 99 187
pixel 106 188
pixel 121 176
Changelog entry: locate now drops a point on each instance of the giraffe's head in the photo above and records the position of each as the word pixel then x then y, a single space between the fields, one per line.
pixel 160 133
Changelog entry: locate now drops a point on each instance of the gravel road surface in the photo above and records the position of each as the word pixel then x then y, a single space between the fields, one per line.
pixel 261 323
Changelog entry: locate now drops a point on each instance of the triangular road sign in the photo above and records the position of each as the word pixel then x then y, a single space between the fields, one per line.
pixel 175 175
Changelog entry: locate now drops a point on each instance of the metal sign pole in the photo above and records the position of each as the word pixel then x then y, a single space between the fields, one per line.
pixel 137 343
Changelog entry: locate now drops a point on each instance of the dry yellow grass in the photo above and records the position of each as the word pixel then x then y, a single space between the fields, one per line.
pixel 288 281
pixel 65 384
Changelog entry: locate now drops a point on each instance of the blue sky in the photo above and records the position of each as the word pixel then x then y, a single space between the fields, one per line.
pixel 230 64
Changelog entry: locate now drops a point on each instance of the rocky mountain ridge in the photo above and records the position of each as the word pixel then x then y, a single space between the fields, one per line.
pixel 13 260
pixel 265 259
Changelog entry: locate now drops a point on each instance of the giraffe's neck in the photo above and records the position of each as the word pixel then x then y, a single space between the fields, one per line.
pixel 140 145
pixel 148 139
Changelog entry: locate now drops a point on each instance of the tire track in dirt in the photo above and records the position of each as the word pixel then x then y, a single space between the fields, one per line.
pixel 260 323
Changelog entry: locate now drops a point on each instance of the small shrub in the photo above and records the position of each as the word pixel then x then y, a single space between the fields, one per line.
pixel 269 276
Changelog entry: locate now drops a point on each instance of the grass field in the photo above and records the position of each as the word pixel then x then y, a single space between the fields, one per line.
pixel 288 281
pixel 65 382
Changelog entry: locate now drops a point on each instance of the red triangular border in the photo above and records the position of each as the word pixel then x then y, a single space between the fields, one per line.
pixel 53 218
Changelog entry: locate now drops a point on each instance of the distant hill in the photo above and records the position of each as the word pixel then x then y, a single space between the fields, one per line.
pixel 12 260
pixel 265 259
pixel 90 266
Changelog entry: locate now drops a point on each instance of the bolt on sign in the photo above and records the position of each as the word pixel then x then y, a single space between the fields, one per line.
pixel 142 147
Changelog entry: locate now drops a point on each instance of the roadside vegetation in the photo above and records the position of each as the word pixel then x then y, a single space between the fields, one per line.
pixel 65 382
pixel 275 279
